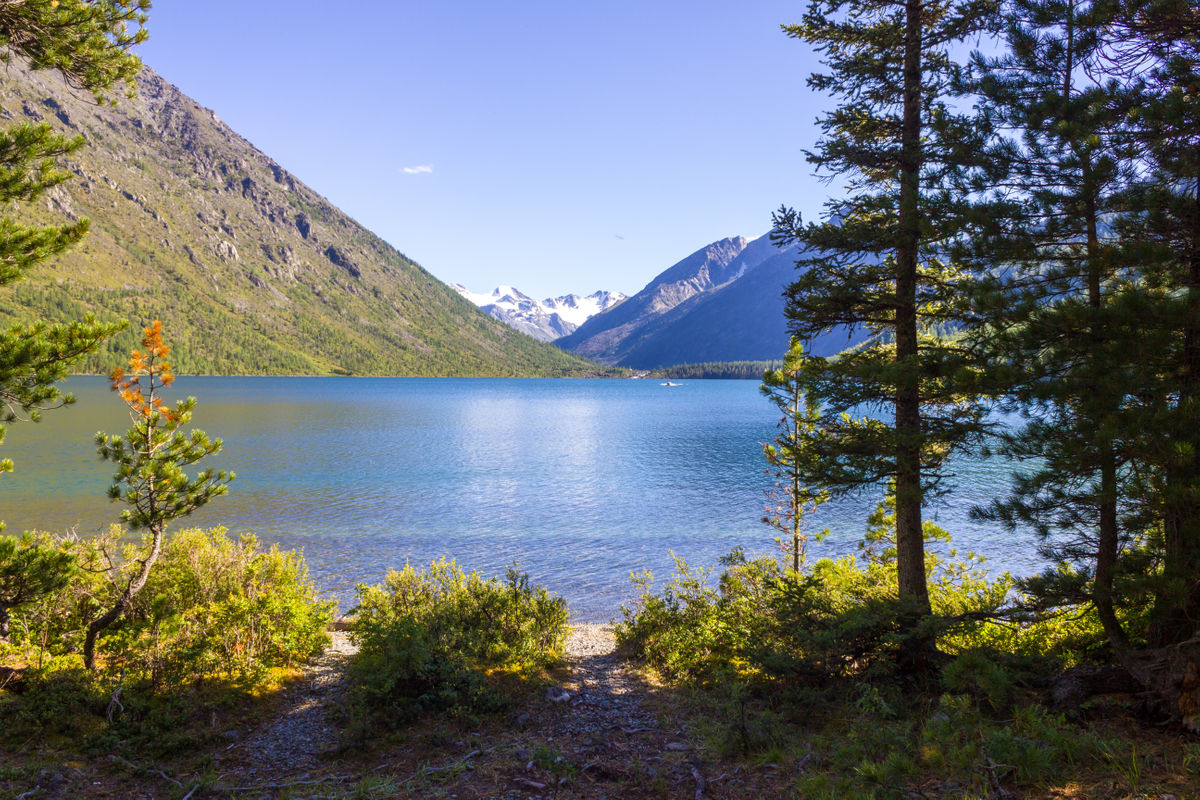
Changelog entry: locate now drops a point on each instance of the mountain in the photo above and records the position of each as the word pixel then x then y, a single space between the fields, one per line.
pixel 722 303
pixel 251 271
pixel 607 337
pixel 546 319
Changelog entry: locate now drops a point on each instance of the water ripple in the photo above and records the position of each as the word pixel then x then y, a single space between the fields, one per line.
pixel 581 482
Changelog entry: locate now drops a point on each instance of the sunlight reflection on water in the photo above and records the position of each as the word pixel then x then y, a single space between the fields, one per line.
pixel 580 481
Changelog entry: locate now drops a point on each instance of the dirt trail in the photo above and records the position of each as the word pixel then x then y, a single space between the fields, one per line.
pixel 590 736
pixel 305 730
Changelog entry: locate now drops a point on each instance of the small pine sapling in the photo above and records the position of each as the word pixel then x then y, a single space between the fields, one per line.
pixel 793 453
pixel 150 460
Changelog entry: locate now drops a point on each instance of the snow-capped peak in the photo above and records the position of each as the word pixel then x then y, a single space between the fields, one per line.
pixel 543 319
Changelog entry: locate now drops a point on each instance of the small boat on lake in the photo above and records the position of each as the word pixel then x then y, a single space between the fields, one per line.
pixel 668 383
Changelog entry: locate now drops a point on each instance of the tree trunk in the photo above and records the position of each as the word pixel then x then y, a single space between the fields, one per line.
pixel 797 511
pixel 1179 601
pixel 122 605
pixel 910 538
pixel 1102 407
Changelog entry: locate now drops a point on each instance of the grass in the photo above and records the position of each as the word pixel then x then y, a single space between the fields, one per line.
pixel 819 745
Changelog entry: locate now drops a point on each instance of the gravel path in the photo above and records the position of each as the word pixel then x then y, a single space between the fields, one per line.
pixel 600 736
pixel 606 694
pixel 303 731
pixel 605 729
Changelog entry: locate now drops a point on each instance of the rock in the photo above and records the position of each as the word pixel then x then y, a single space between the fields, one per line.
pixel 557 694
pixel 227 251
pixel 340 259
pixel 678 747
pixel 231 735
pixel 523 720
pixel 51 782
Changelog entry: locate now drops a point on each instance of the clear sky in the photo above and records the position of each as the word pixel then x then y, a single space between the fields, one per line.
pixel 551 145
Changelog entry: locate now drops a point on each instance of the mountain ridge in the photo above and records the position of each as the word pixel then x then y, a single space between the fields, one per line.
pixel 604 337
pixel 722 303
pixel 251 270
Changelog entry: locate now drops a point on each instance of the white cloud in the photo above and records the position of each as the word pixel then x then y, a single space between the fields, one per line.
pixel 418 170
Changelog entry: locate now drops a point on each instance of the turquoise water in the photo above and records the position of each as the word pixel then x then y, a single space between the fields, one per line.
pixel 580 481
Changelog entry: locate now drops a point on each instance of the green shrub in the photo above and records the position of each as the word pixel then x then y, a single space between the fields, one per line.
pixel 976 674
pixel 58 699
pixel 214 608
pixel 216 619
pixel 679 632
pixel 841 618
pixel 222 608
pixel 429 638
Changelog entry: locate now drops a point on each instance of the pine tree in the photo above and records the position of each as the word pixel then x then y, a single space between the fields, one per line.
pixel 29 570
pixel 793 454
pixel 886 258
pixel 1155 50
pixel 1056 319
pixel 88 42
pixel 150 460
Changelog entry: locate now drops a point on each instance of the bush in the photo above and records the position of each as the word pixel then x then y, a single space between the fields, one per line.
pixel 696 634
pixel 214 608
pixel 221 608
pixel 839 619
pixel 428 639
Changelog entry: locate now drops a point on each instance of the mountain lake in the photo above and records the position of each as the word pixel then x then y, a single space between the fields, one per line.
pixel 581 482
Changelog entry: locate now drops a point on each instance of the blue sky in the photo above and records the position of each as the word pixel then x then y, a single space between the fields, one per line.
pixel 554 146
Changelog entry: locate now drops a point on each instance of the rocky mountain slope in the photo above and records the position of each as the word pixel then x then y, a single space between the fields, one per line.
pixel 547 319
pixel 608 337
pixel 250 270
pixel 722 303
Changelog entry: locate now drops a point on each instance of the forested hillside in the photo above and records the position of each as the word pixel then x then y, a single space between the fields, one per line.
pixel 254 272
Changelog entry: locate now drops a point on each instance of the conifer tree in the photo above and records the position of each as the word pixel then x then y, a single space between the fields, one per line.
pixel 793 453
pixel 29 570
pixel 88 42
pixel 886 257
pixel 151 458
pixel 1155 50
pixel 1055 318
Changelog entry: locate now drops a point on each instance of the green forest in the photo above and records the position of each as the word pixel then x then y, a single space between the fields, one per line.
pixel 1019 236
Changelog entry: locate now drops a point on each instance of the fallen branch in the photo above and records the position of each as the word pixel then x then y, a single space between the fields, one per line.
pixel 991 769
pixel 30 793
pixel 701 784
pixel 115 705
